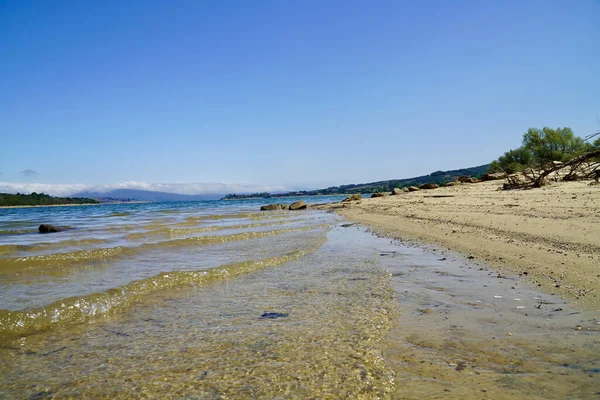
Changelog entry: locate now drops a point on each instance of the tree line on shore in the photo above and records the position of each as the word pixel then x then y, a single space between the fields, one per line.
pixel 543 146
pixel 40 199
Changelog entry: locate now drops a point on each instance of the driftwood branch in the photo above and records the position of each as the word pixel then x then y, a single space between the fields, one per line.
pixel 575 161
pixel 593 135
pixel 537 178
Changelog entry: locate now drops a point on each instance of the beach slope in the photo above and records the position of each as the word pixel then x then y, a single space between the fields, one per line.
pixel 550 236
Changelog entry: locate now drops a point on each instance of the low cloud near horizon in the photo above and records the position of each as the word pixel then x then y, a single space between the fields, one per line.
pixel 69 189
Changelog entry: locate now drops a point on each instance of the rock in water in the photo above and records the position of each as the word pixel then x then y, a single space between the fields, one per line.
pixel 46 228
pixel 429 186
pixel 273 315
pixel 353 197
pixel 299 205
pixel 274 207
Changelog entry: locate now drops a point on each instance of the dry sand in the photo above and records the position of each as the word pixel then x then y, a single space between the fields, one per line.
pixel 550 236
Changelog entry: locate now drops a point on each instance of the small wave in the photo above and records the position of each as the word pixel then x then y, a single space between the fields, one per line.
pixel 17 231
pixel 176 232
pixel 18 264
pixel 226 238
pixel 74 310
pixel 187 223
pixel 120 214
pixel 249 215
pixel 171 211
pixel 11 249
pixel 68 259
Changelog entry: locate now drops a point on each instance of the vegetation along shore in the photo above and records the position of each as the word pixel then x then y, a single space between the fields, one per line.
pixel 41 199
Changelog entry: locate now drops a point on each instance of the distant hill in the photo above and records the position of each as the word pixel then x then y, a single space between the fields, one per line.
pixel 439 177
pixel 145 195
pixel 40 199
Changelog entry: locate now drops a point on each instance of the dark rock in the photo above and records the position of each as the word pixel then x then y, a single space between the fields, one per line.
pixel 461 366
pixel 45 228
pixel 298 205
pixel 467 179
pixel 429 186
pixel 395 192
pixel 493 177
pixel 353 197
pixel 274 207
pixel 413 189
pixel 378 194
pixel 44 394
pixel 273 315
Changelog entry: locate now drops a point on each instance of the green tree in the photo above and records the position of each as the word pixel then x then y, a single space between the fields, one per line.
pixel 553 144
pixel 512 161
pixel 541 146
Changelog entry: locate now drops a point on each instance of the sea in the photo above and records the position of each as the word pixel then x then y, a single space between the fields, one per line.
pixel 218 300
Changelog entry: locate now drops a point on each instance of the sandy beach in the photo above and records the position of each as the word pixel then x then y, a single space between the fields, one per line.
pixel 550 236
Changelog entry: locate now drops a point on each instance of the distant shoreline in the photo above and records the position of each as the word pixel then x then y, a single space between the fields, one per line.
pixel 282 197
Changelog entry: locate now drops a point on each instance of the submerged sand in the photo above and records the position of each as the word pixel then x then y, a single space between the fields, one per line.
pixel 550 235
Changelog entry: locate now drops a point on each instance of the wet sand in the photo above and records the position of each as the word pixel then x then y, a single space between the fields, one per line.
pixel 550 236
pixel 466 332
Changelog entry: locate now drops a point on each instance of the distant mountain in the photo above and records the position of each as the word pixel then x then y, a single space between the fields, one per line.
pixel 146 195
pixel 439 177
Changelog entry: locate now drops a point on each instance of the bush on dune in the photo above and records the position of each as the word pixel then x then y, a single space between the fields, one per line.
pixel 540 147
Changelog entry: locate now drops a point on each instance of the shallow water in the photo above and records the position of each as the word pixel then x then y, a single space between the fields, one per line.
pixel 465 331
pixel 210 302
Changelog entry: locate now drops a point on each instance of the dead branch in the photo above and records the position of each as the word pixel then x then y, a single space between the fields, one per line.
pixel 537 178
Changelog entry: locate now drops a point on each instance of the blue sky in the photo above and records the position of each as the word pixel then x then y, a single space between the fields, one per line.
pixel 285 94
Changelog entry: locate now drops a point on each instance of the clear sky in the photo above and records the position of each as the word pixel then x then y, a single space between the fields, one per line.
pixel 284 93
